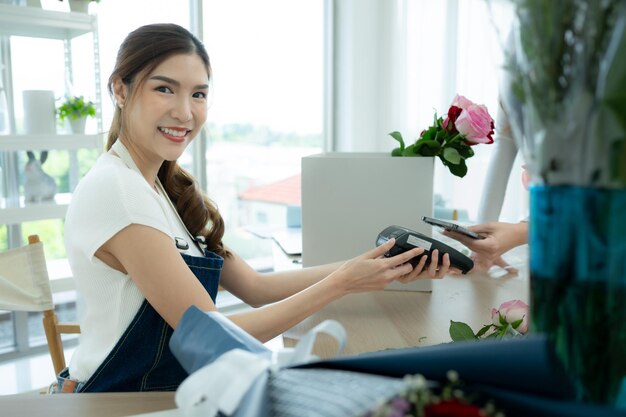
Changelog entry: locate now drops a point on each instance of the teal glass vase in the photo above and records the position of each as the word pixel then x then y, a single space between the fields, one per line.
pixel 577 243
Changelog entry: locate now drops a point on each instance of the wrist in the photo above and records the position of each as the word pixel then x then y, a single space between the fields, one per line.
pixel 519 235
pixel 335 285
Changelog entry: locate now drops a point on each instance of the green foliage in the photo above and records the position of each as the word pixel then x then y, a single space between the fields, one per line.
pixel 449 147
pixel 460 331
pixel 76 107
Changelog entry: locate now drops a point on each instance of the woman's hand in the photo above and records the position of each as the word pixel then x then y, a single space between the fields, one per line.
pixel 371 271
pixel 499 239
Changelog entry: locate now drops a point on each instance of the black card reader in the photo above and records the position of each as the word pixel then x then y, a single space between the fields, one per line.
pixel 407 239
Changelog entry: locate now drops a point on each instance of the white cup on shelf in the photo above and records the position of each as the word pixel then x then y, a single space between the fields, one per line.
pixel 39 112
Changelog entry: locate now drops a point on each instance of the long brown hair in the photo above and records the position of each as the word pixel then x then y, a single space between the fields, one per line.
pixel 140 53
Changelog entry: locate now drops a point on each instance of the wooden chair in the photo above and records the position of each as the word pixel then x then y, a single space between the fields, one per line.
pixel 25 286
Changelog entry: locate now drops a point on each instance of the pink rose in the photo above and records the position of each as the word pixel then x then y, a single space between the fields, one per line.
pixel 462 102
pixel 475 124
pixel 453 113
pixel 469 119
pixel 512 311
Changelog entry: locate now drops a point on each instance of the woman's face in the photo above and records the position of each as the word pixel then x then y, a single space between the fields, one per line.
pixel 169 109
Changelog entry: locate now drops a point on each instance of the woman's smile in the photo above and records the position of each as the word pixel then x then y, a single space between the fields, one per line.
pixel 175 134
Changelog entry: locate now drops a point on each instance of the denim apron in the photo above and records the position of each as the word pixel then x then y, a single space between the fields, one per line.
pixel 141 360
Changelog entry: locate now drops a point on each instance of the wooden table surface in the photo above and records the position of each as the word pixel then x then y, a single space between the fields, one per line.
pixel 398 319
pixel 85 405
pixel 373 321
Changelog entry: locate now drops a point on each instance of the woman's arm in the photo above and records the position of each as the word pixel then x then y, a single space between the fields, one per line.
pixel 151 259
pixel 258 289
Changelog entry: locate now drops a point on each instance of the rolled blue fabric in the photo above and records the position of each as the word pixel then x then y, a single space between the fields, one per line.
pixel 523 364
pixel 202 337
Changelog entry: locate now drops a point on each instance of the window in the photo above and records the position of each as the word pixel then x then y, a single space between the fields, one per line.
pixel 21 332
pixel 266 110
pixel 460 40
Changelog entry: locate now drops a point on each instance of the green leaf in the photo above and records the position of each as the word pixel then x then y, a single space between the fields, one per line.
pixel 396 152
pixel 516 323
pixel 398 136
pixel 460 331
pixel 451 155
pixel 484 330
pixel 502 319
pixel 459 170
pixel 426 147
pixel 428 134
pixel 409 151
pixel 464 150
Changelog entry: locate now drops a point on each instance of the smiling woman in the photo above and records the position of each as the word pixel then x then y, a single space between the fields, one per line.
pixel 145 244
pixel 170 104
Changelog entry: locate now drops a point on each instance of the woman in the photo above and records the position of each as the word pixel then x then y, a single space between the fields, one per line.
pixel 145 243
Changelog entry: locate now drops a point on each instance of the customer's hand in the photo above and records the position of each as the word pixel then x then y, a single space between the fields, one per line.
pixel 372 271
pixel 499 238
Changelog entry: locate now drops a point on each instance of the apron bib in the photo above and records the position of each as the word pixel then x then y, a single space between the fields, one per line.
pixel 141 360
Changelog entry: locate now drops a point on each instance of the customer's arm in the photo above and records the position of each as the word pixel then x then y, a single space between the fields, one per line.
pixel 499 238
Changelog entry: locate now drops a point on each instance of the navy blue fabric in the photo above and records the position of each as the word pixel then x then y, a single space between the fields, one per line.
pixel 521 404
pixel 515 364
pixel 522 375
pixel 142 359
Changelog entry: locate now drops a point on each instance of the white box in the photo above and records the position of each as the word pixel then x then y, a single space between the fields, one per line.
pixel 349 198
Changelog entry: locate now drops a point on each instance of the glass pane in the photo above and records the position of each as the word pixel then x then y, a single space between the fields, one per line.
pixel 266 112
pixel 4 240
pixel 65 308
pixel 7 332
pixel 50 233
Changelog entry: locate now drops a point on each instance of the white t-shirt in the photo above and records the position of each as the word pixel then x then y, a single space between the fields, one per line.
pixel 109 198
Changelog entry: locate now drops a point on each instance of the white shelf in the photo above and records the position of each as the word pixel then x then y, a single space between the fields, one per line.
pixel 9 143
pixel 39 23
pixel 36 211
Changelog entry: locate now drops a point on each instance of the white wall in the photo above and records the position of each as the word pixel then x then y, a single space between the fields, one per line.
pixel 369 38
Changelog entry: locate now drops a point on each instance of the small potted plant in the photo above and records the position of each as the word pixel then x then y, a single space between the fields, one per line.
pixel 76 109
pixel 80 6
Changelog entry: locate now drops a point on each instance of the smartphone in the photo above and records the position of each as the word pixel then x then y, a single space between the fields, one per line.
pixel 451 226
